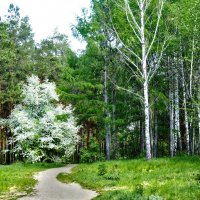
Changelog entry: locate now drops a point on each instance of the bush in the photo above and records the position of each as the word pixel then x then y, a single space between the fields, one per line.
pixel 92 152
pixel 42 129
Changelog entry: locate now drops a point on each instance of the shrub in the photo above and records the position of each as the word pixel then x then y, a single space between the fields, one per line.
pixel 92 152
pixel 42 129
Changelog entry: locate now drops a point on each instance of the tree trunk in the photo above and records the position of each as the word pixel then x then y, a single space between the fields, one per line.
pixel 191 97
pixel 145 84
pixel 192 130
pixel 193 140
pixel 147 133
pixel 185 111
pixel 171 113
pixel 151 128
pixel 191 68
pixel 176 106
pixel 107 115
pixel 114 129
pixel 198 108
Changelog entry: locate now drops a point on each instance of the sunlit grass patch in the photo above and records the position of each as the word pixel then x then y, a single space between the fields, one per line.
pixel 163 178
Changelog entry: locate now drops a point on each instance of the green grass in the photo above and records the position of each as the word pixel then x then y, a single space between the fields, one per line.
pixel 17 179
pixel 168 178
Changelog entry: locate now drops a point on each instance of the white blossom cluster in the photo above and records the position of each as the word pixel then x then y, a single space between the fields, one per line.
pixel 43 130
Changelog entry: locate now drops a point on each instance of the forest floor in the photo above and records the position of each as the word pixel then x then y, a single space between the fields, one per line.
pixel 163 178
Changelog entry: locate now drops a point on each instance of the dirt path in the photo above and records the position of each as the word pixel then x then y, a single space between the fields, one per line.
pixel 49 188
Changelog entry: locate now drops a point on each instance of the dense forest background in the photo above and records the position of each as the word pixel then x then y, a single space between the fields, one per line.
pixel 135 88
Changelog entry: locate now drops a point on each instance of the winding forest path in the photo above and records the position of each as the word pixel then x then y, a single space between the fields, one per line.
pixel 49 188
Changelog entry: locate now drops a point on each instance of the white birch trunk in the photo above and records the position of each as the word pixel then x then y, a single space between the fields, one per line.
pixel 151 123
pixel 191 96
pixel 171 116
pixel 147 133
pixel 192 129
pixel 191 68
pixel 145 84
pixel 177 136
pixel 185 111
pixel 193 140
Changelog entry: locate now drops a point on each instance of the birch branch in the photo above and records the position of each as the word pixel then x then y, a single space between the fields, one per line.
pixel 147 3
pixel 118 37
pixel 156 29
pixel 127 17
pixel 164 46
pixel 132 71
pixel 124 89
pixel 132 16
pixel 130 91
pixel 129 60
pixel 191 67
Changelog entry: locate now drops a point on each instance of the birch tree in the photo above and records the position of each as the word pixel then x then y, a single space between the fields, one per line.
pixel 176 110
pixel 141 27
pixel 171 117
pixel 185 109
pixel 199 108
pixel 107 113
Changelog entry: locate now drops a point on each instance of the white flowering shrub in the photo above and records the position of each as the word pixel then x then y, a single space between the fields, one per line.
pixel 42 129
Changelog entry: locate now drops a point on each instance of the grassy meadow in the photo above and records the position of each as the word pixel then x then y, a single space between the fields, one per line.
pixel 18 179
pixel 164 178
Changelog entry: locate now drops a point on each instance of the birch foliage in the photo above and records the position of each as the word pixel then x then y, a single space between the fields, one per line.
pixel 43 130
